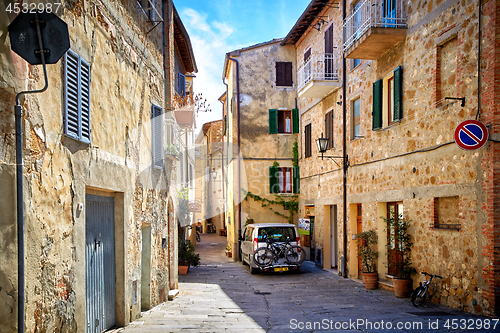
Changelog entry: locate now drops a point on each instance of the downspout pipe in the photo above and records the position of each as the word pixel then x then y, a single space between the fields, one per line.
pixel 344 150
pixel 18 110
pixel 238 142
pixel 479 72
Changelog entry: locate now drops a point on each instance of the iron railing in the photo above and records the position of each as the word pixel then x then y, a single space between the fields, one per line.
pixel 373 13
pixel 319 66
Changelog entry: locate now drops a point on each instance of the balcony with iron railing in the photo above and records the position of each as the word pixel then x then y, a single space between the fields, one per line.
pixel 374 27
pixel 318 76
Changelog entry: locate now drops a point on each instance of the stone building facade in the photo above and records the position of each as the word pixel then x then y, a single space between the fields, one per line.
pixel 99 202
pixel 262 120
pixel 210 176
pixel 403 62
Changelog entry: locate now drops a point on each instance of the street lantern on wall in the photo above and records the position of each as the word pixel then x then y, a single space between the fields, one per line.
pixel 322 143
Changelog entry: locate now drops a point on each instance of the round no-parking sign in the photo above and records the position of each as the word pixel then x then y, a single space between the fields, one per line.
pixel 471 134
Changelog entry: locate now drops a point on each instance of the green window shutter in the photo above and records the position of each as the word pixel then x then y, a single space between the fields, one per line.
pixel 273 180
pixel 295 121
pixel 273 121
pixel 296 180
pixel 398 93
pixel 377 105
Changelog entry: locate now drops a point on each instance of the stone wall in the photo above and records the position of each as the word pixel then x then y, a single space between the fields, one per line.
pixel 127 77
pixel 415 161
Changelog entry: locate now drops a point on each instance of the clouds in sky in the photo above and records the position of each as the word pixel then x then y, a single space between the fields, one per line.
pixel 209 41
pixel 217 27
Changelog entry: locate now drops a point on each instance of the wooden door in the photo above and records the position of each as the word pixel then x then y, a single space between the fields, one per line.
pixel 359 229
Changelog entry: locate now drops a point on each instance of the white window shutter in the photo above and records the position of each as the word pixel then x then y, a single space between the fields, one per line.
pixel 157 136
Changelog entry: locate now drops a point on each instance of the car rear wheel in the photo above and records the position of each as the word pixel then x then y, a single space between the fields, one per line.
pixel 253 270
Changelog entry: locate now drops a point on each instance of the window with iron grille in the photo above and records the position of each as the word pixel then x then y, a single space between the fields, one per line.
pixel 76 97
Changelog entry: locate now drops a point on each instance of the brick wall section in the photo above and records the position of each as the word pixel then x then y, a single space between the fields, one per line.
pixel 490 114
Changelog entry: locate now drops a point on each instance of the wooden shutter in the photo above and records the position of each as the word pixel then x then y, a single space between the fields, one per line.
pixel 307 55
pixel 296 180
pixel 76 97
pixel 398 94
pixel 273 180
pixel 85 100
pixel 288 74
pixel 157 136
pixel 71 96
pixel 182 85
pixel 295 121
pixel 329 39
pixel 377 105
pixel 280 74
pixel 307 140
pixel 329 128
pixel 273 121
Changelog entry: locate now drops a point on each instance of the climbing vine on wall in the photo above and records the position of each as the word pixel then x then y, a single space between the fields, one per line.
pixel 295 151
pixel 291 205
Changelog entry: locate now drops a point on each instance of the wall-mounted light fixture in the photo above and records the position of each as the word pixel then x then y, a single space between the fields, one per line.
pixel 214 174
pixel 457 99
pixel 319 23
pixel 323 146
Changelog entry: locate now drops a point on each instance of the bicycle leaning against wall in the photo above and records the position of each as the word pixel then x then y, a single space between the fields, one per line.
pixel 419 294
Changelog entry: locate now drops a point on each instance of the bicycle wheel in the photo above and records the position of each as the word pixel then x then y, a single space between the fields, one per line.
pixel 418 296
pixel 295 255
pixel 198 238
pixel 263 257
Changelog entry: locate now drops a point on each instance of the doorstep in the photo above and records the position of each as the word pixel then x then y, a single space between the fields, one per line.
pixel 386 285
pixel 173 294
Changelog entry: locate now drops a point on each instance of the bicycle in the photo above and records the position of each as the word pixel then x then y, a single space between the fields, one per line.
pixel 266 256
pixel 419 294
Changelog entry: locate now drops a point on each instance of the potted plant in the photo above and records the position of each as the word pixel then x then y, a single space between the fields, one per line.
pixel 367 245
pixel 399 246
pixel 187 257
pixel 228 250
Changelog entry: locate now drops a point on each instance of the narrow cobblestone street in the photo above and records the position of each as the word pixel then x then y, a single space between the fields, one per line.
pixel 222 296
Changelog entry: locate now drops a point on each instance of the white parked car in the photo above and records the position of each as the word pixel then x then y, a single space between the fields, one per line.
pixel 254 237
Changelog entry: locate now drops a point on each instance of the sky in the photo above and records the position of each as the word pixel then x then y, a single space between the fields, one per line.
pixel 217 27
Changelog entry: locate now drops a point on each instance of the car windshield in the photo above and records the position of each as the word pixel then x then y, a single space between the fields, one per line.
pixel 277 234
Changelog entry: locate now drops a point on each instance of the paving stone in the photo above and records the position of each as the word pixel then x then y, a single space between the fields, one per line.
pixel 227 298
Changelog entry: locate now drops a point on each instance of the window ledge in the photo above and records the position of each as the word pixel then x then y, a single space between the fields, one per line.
pixel 285 194
pixel 456 227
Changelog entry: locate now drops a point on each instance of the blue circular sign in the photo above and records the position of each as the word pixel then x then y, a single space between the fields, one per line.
pixel 471 134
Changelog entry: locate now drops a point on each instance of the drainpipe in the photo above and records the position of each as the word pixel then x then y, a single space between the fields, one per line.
pixel 344 150
pixel 18 111
pixel 238 142
pixel 224 148
pixel 479 73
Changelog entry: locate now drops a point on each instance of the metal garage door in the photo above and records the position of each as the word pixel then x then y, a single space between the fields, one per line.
pixel 100 263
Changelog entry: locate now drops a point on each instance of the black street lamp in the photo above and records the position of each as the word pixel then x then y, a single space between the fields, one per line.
pixel 323 146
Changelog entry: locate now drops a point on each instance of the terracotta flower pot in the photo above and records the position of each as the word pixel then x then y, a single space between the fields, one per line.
pixel 402 287
pixel 370 280
pixel 183 270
